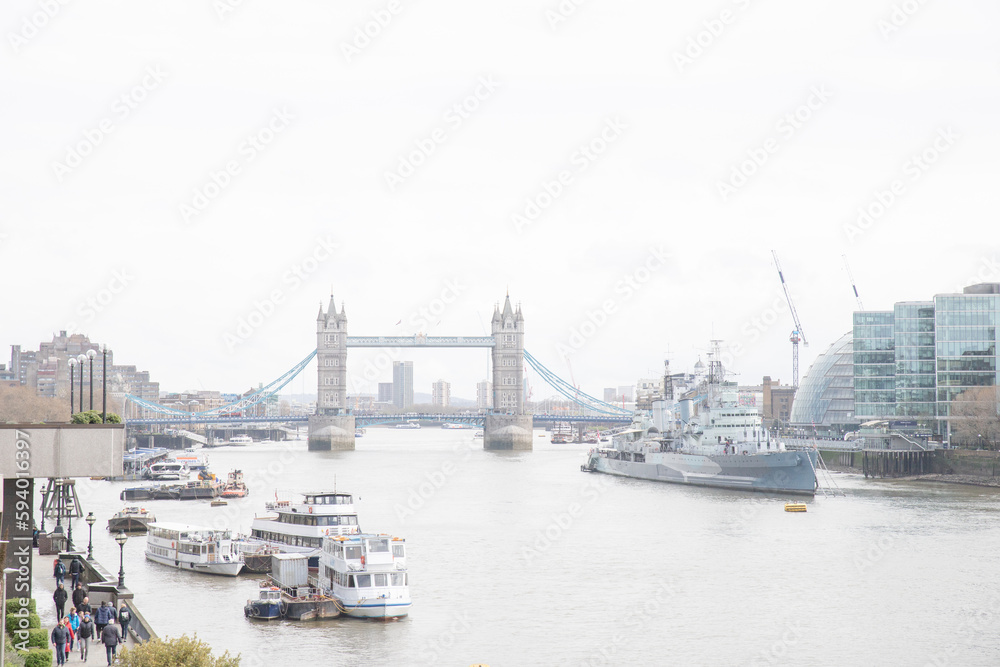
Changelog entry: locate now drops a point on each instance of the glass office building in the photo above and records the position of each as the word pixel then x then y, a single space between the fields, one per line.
pixel 825 397
pixel 911 362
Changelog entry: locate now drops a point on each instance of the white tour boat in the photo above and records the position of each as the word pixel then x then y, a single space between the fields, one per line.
pixel 366 574
pixel 241 440
pixel 193 548
pixel 410 423
pixel 300 527
pixel 169 470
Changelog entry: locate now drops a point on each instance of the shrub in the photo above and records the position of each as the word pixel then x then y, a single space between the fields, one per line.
pixel 14 605
pixel 38 637
pixel 94 417
pixel 184 650
pixel 14 622
pixel 38 657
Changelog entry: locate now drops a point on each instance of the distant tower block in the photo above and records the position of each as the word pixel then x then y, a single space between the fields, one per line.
pixel 332 427
pixel 508 427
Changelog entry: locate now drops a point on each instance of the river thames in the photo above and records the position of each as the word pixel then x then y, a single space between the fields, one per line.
pixel 519 558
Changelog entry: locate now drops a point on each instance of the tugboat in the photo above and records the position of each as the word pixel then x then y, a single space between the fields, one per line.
pixel 268 605
pixel 131 520
pixel 235 488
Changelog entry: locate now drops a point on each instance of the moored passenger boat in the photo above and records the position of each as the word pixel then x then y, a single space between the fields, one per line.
pixel 193 548
pixel 300 527
pixel 366 574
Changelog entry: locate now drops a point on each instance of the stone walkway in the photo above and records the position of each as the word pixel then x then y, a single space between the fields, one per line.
pixel 43 586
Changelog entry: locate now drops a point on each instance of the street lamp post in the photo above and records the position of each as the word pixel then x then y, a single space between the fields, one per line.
pixel 104 385
pixel 90 542
pixel 81 358
pixel 90 355
pixel 72 365
pixel 3 610
pixel 121 538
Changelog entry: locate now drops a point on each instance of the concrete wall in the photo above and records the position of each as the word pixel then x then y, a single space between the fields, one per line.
pixel 61 450
pixel 966 462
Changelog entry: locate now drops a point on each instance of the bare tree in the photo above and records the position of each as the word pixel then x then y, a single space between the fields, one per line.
pixel 975 417
pixel 22 404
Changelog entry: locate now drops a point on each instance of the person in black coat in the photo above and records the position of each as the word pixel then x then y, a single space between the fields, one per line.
pixel 60 597
pixel 79 595
pixel 84 634
pixel 111 638
pixel 75 570
pixel 60 635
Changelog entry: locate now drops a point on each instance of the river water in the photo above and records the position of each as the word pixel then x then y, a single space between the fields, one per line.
pixel 519 558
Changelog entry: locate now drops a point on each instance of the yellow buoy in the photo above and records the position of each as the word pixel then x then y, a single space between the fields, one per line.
pixel 795 507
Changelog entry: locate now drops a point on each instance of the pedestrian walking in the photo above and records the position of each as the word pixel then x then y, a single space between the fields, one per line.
pixel 86 633
pixel 59 571
pixel 69 630
pixel 102 617
pixel 59 638
pixel 74 625
pixel 84 607
pixel 79 595
pixel 75 570
pixel 111 639
pixel 124 616
pixel 60 596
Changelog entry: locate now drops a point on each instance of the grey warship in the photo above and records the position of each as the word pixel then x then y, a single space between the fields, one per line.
pixel 724 445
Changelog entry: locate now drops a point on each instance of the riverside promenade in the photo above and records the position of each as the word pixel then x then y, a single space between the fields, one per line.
pixel 102 586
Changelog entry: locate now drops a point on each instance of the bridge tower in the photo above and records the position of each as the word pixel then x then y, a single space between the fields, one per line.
pixel 508 427
pixel 332 427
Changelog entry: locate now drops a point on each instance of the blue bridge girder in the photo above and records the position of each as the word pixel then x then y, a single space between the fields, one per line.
pixel 420 341
pixel 363 420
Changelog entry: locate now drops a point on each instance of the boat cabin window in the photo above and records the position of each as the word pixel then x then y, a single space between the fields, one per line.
pixel 381 579
pixel 350 581
pixel 397 551
pixel 398 578
pixel 353 552
pixel 380 545
pixel 364 581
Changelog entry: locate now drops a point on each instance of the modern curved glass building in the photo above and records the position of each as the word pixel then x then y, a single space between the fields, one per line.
pixel 825 398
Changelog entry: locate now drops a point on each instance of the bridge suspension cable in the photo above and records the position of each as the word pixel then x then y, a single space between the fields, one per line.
pixel 240 405
pixel 571 392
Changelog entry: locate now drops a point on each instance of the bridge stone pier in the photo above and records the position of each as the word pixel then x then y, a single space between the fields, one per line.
pixel 333 426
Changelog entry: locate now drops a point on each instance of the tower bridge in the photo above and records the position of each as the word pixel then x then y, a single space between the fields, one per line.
pixel 506 427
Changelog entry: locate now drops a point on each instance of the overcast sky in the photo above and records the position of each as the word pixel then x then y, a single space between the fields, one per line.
pixel 623 169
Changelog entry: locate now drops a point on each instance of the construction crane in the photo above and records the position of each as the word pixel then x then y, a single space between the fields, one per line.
pixel 797 334
pixel 850 275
